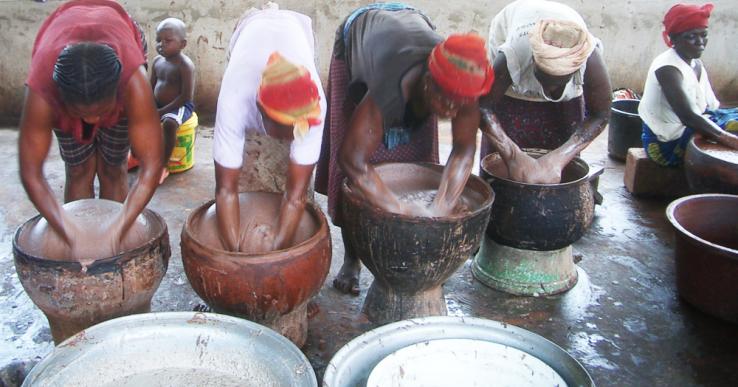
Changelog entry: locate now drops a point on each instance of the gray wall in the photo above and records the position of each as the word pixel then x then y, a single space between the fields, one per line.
pixel 629 29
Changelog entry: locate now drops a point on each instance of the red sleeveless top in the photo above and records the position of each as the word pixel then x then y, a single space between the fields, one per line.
pixel 99 21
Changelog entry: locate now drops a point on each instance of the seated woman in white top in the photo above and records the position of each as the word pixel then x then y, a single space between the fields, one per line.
pixel 271 85
pixel 678 99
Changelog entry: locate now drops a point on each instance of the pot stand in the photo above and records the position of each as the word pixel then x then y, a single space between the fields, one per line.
pixel 524 272
pixel 384 305
pixel 292 325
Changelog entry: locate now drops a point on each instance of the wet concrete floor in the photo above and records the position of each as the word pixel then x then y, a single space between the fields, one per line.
pixel 623 320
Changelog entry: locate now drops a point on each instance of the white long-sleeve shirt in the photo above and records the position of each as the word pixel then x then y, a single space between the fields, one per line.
pixel 256 37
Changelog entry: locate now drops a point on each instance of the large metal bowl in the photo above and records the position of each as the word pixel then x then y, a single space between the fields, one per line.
pixel 706 252
pixel 174 349
pixel 541 217
pixel 352 364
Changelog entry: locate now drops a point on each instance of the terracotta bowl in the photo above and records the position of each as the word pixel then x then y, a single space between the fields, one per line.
pixel 710 167
pixel 706 252
pixel 74 296
pixel 272 288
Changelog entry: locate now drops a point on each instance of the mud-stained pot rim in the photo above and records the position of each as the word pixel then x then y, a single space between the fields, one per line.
pixel 693 147
pixel 576 160
pixel 116 260
pixel 679 228
pixel 489 193
pixel 305 245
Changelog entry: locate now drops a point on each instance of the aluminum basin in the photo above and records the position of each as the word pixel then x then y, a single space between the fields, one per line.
pixel 175 349
pixel 354 362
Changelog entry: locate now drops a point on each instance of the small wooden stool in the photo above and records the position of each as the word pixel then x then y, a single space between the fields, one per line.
pixel 643 177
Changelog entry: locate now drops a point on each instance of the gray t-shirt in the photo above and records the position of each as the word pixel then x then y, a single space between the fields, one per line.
pixel 382 47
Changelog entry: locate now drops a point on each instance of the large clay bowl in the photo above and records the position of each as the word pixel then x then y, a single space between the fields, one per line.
pixel 74 296
pixel 540 217
pixel 272 288
pixel 411 256
pixel 706 252
pixel 711 168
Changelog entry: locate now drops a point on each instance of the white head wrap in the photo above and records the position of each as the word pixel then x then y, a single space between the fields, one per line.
pixel 560 47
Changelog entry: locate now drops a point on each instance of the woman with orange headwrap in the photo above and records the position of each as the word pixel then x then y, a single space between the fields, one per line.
pixel 549 71
pixel 391 77
pixel 677 91
pixel 270 90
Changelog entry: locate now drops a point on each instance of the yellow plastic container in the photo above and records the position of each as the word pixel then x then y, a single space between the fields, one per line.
pixel 183 154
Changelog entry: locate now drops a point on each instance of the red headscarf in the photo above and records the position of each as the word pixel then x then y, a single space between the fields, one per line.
pixel 459 65
pixel 288 94
pixel 685 17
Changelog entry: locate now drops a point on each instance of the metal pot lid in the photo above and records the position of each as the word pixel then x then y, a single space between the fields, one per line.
pixel 462 362
pixel 352 364
pixel 175 349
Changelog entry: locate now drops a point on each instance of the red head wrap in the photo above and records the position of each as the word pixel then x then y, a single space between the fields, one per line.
pixel 288 94
pixel 685 17
pixel 459 65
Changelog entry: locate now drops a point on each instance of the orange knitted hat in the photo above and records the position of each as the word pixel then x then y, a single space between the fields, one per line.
pixel 288 95
pixel 459 65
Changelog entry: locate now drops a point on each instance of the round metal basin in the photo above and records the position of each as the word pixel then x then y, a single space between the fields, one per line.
pixel 270 288
pixel 540 217
pixel 174 349
pixel 76 294
pixel 412 256
pixel 711 168
pixel 465 362
pixel 353 364
pixel 706 252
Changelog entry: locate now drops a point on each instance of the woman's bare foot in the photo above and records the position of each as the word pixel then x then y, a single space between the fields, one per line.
pixel 347 279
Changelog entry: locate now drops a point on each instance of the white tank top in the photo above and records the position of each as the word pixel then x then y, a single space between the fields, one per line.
pixel 508 33
pixel 655 110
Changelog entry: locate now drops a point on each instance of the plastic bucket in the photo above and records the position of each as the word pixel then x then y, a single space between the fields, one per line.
pixel 183 154
pixel 625 128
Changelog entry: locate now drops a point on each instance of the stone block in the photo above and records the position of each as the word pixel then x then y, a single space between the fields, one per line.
pixel 643 177
pixel 265 162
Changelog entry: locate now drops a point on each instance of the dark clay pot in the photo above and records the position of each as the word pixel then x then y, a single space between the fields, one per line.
pixel 272 288
pixel 707 173
pixel 540 216
pixel 706 252
pixel 74 297
pixel 411 257
pixel 624 129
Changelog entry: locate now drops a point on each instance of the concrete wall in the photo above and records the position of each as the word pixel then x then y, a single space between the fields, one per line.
pixel 629 29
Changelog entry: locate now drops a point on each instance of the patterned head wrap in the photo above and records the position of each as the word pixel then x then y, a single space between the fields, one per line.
pixel 459 65
pixel 288 95
pixel 685 17
pixel 560 47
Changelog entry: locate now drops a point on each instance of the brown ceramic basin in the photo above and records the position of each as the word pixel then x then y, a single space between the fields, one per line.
pixel 411 256
pixel 706 252
pixel 540 217
pixel 270 288
pixel 74 296
pixel 710 167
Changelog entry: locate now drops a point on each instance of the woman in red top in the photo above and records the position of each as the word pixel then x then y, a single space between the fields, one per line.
pixel 88 83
